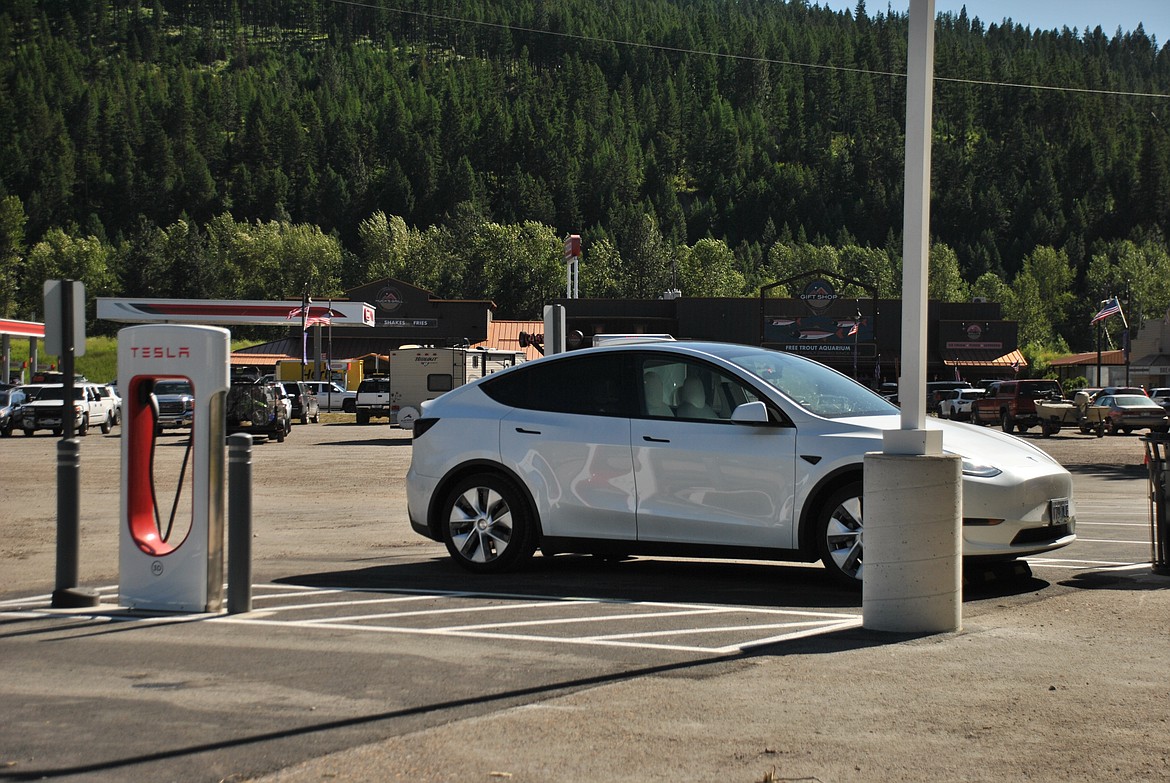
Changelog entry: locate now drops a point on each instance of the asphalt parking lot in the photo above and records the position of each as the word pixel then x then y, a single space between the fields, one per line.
pixel 369 656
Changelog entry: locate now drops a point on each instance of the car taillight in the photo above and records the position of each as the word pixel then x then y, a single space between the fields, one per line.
pixel 421 426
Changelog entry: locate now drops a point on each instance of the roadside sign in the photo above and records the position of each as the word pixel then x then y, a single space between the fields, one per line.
pixel 56 292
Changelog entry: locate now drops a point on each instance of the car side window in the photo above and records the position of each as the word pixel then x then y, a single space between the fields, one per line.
pixel 678 389
pixel 590 385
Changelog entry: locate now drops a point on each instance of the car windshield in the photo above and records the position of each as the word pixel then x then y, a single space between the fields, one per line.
pixel 172 387
pixel 58 393
pixel 817 388
pixel 1135 401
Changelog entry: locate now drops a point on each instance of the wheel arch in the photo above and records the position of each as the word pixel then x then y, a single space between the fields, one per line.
pixel 842 476
pixel 471 467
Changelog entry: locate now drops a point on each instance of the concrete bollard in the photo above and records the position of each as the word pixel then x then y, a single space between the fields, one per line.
pixel 913 543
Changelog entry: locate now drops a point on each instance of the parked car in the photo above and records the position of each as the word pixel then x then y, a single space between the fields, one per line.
pixel 1161 395
pixel 305 407
pixel 110 401
pixel 255 408
pixel 1012 404
pixel 45 412
pixel 373 400
pixel 1129 412
pixel 331 396
pixel 10 401
pixel 957 404
pixel 283 397
pixel 695 449
pixel 176 404
pixel 936 389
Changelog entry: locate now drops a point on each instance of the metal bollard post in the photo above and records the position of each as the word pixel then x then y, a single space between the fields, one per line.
pixel 1157 456
pixel 239 598
pixel 67 594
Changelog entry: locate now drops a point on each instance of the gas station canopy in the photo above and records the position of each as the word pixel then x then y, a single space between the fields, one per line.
pixel 22 328
pixel 228 312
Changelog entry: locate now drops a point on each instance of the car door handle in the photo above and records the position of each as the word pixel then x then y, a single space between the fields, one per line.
pixel 648 439
pixel 523 431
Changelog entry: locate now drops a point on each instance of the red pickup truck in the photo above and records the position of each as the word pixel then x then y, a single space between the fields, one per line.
pixel 1012 404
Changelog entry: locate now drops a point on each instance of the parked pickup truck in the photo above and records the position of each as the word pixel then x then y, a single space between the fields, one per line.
pixel 331 397
pixel 1012 404
pixel 373 400
pixel 44 413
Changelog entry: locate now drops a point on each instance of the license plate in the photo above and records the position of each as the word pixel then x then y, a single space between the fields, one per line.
pixel 1058 511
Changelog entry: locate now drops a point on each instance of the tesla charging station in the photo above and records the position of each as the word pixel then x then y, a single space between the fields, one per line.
pixel 158 570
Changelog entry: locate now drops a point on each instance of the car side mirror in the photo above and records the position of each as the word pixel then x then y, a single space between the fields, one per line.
pixel 751 413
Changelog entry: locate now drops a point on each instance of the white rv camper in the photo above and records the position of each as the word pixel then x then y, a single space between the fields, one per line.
pixel 420 374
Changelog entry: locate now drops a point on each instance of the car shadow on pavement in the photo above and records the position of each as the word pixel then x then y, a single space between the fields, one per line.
pixel 635 579
pixel 366 442
pixel 734 583
pixel 1116 472
pixel 1144 579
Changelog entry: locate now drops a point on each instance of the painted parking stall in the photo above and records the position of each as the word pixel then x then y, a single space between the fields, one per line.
pixel 509 618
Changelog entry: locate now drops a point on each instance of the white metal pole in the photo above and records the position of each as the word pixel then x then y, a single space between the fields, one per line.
pixel 916 217
pixel 912 575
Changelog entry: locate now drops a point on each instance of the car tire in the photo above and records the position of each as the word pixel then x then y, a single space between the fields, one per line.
pixel 84 428
pixel 280 432
pixel 1006 423
pixel 487 525
pixel 1112 428
pixel 106 426
pixel 363 417
pixel 6 432
pixel 28 432
pixel 305 419
pixel 839 534
pixel 316 417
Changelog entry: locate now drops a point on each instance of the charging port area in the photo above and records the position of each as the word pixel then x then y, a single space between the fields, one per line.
pixel 171 546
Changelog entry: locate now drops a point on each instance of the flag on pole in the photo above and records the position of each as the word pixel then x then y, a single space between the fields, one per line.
pixel 1112 307
pixel 310 319
pixel 852 330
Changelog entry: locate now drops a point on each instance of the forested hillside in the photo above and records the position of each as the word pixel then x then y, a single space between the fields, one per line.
pixel 253 149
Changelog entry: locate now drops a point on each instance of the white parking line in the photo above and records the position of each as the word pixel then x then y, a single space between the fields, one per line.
pixel 1112 524
pixel 1083 564
pixel 571 610
pixel 808 623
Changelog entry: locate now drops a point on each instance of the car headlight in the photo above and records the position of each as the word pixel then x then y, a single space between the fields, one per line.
pixel 979 470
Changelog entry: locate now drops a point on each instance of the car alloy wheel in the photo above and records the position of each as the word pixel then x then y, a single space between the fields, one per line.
pixel 486 524
pixel 839 534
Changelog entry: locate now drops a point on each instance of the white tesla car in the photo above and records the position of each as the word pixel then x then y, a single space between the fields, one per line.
pixel 695 449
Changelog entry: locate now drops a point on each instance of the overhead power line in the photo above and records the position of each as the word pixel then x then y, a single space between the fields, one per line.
pixel 741 57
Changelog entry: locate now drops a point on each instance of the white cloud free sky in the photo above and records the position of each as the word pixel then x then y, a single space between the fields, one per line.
pixel 1154 15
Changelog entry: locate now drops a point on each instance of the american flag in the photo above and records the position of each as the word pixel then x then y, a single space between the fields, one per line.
pixel 1112 307
pixel 310 320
